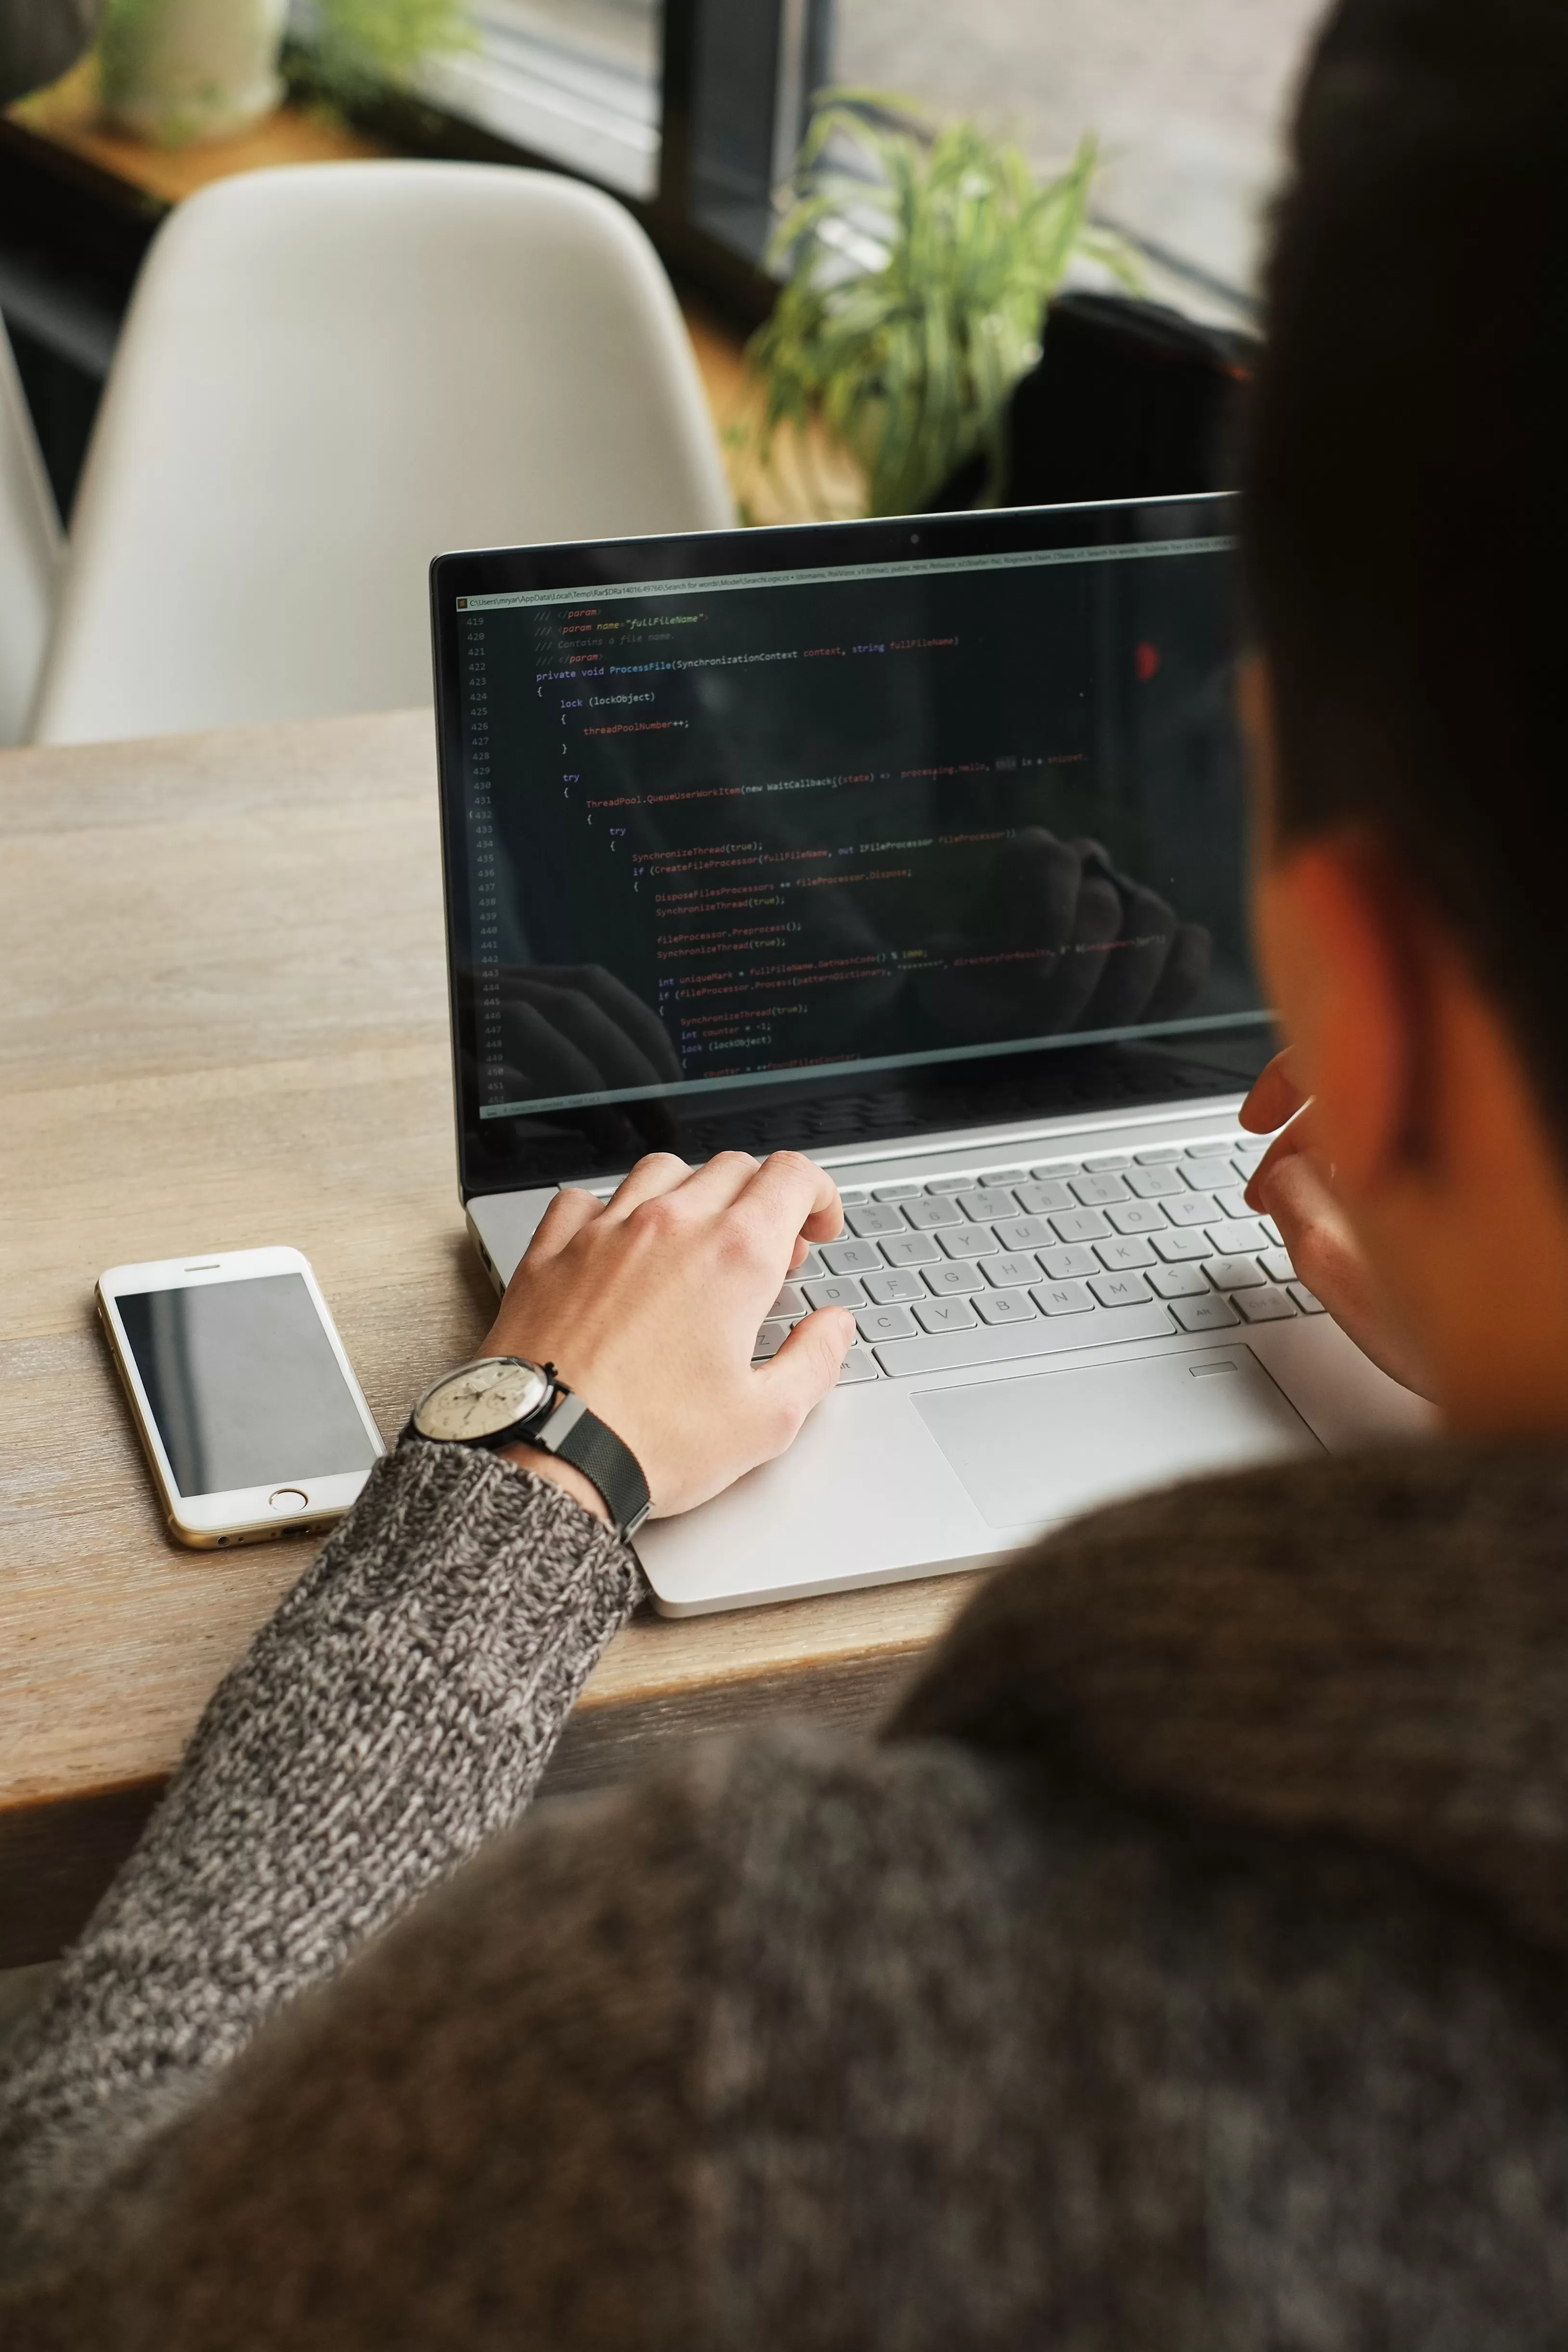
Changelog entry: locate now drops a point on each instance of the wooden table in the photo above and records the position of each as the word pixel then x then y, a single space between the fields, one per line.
pixel 225 1024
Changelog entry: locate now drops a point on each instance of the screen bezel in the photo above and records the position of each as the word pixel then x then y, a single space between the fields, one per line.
pixel 243 1510
pixel 495 1156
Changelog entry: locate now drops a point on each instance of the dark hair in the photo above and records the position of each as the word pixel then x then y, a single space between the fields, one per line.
pixel 1405 490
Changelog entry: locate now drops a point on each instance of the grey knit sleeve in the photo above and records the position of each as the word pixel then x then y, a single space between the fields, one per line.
pixel 396 1711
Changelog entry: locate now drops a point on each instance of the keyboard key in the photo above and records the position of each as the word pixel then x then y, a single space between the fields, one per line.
pixel 1003 1306
pixel 877 1217
pixel 1210 1314
pixel 849 1196
pixel 1233 1204
pixel 930 1210
pixel 1066 1263
pixel 1118 1255
pixel 851 1257
pixel 1153 1183
pixel 1136 1217
pixel 769 1340
pixel 1062 1298
pixel 1276 1265
pixel 1158 1155
pixel 951 1281
pixel 1234 1273
pixel 1307 1300
pixel 1193 1208
pixel 1006 1273
pixel 1119 1289
pixel 1046 1168
pixel 789 1303
pixel 1207 1147
pixel 1036 1199
pixel 811 1264
pixel 1182 1248
pixel 843 1292
pixel 1207 1175
pixel 896 1193
pixel 1237 1233
pixel 1248 1157
pixel 959 1183
pixel 1024 1232
pixel 1007 1176
pixel 1008 1342
pixel 1095 1190
pixel 887 1290
pixel 1269 1306
pixel 946 1315
pixel 1097 1160
pixel 859 1364
pixel 909 1249
pixel 990 1200
pixel 1180 1281
pixel 1079 1225
pixel 885 1323
pixel 968 1241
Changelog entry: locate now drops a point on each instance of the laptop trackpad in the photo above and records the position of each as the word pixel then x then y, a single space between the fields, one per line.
pixel 1044 1448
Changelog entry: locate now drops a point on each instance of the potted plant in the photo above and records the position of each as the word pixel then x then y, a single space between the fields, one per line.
pixel 176 70
pixel 919 260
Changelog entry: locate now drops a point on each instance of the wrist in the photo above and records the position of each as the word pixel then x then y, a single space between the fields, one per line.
pixel 564 1474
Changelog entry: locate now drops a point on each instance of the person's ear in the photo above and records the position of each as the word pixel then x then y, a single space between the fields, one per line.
pixel 1337 948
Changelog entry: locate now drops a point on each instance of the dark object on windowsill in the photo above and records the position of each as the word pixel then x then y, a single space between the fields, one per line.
pixel 41 39
pixel 1129 400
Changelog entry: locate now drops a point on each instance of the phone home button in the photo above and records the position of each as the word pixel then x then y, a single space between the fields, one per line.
pixel 286 1500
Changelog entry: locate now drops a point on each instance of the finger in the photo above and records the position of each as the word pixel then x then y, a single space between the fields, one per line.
pixel 801 1197
pixel 1276 1095
pixel 808 1364
pixel 570 1211
pixel 719 1182
pixel 661 1171
pixel 1297 1140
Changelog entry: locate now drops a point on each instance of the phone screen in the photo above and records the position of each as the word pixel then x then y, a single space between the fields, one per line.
pixel 244 1385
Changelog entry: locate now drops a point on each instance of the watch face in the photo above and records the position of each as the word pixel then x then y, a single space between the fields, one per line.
pixel 479 1399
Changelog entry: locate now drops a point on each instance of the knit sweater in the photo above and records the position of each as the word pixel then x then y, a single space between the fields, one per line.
pixel 1181 1968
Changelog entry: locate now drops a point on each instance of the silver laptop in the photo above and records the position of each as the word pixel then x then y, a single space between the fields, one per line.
pixel 919 847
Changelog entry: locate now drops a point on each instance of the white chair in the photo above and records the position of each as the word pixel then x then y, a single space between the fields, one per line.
pixel 329 374
pixel 29 553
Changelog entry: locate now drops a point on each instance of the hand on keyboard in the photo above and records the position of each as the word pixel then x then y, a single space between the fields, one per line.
pixel 649 1305
pixel 1293 1186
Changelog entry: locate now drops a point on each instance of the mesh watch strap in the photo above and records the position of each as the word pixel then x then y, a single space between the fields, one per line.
pixel 575 1434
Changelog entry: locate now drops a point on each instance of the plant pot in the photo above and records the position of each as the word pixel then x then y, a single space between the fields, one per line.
pixel 178 70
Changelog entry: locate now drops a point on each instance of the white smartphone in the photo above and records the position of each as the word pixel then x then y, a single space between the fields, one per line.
pixel 247 1407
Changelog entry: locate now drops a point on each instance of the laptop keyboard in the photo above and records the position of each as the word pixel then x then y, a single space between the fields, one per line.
pixel 976 1267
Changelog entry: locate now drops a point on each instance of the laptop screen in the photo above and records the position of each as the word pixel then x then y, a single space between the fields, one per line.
pixel 814 835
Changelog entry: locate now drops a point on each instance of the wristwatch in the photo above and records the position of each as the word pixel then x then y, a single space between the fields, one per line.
pixel 506 1400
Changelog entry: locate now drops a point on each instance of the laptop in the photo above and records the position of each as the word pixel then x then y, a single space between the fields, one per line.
pixel 918 846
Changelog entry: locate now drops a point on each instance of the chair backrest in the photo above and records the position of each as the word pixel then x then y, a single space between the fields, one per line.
pixel 329 374
pixel 30 549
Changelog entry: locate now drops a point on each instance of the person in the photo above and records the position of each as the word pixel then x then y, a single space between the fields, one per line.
pixel 1181 1966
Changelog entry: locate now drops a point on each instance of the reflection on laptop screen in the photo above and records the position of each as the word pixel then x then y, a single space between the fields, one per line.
pixel 872 818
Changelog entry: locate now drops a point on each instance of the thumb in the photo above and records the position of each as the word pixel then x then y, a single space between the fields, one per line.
pixel 809 1362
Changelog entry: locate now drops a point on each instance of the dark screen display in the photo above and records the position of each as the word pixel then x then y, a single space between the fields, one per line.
pixel 842 828
pixel 243 1383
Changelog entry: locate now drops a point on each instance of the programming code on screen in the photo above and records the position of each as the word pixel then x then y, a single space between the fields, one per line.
pixel 811 822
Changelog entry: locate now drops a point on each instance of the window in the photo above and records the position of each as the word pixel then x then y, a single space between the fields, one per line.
pixel 693 109
pixel 1188 98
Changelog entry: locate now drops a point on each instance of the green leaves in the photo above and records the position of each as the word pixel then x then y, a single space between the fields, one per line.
pixel 361 48
pixel 920 264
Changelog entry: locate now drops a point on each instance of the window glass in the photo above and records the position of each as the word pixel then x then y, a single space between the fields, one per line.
pixel 1188 98
pixel 577 80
